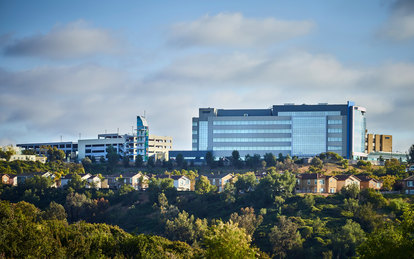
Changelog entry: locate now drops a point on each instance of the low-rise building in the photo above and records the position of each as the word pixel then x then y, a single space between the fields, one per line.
pixel 310 183
pixel 345 180
pixel 137 180
pixel 220 180
pixel 5 178
pixel 408 185
pixel 369 182
pixel 65 179
pixel 181 182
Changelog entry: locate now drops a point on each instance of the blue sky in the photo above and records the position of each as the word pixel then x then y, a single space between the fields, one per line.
pixel 86 66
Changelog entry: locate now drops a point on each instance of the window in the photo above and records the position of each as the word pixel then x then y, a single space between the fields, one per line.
pixel 203 135
pixel 334 130
pixel 233 131
pixel 246 122
pixel 410 183
pixel 240 148
pixel 194 132
pixel 334 148
pixel 335 122
pixel 252 139
pixel 322 181
pixel 310 114
pixel 308 182
pixel 194 123
pixel 308 136
pixel 334 139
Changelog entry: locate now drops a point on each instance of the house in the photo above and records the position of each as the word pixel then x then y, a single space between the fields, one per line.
pixel 5 178
pixel 181 182
pixel 345 180
pixel 310 183
pixel 331 184
pixel 13 180
pixel 94 182
pixel 220 180
pixel 137 180
pixel 368 182
pixel 408 185
pixel 65 179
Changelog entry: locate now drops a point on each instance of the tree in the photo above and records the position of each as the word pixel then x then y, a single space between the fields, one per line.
pixel 227 240
pixel 203 186
pixel 270 159
pixel 125 161
pixel 245 182
pixel 316 162
pixel 29 152
pixel 236 159
pixel 185 228
pixel 209 159
pixel 55 154
pixel 151 162
pixel 284 237
pixel 393 241
pixel 351 191
pixel 180 160
pixel 112 156
pixel 349 237
pixel 55 211
pixel 247 219
pixel 411 154
pixel 139 161
pixel 76 182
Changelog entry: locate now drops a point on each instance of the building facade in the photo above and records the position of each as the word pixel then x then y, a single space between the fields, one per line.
pixel 295 130
pixel 378 143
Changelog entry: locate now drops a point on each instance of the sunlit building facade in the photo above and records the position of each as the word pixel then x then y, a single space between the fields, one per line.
pixel 289 129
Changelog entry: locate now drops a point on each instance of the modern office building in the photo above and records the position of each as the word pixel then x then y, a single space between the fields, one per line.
pixel 295 130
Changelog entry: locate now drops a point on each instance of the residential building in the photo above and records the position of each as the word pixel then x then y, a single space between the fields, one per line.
pixel 5 178
pixel 345 180
pixel 33 158
pixel 65 179
pixel 295 130
pixel 181 182
pixel 408 185
pixel 378 143
pixel 94 182
pixel 137 180
pixel 331 184
pixel 220 180
pixel 369 182
pixel 311 183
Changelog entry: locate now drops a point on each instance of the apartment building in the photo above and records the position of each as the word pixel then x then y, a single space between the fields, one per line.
pixel 378 143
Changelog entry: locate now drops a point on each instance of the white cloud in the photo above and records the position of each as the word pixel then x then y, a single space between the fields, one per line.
pixel 74 40
pixel 90 99
pixel 232 29
pixel 400 24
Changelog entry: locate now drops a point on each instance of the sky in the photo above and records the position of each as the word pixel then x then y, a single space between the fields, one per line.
pixel 81 68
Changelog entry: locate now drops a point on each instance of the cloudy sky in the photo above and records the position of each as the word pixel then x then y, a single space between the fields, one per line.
pixel 70 67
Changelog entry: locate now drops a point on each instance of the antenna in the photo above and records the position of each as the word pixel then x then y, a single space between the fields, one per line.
pixel 105 131
pixel 80 135
pixel 60 138
pixel 117 130
pixel 132 128
pixel 144 113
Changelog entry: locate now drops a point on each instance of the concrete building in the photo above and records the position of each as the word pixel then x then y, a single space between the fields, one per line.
pixel 378 143
pixel 70 148
pixel 297 130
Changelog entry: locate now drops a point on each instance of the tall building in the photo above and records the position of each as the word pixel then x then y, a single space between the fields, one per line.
pixel 378 143
pixel 295 130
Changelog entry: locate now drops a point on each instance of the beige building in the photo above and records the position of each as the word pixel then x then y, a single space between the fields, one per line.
pixel 378 143
pixel 158 146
